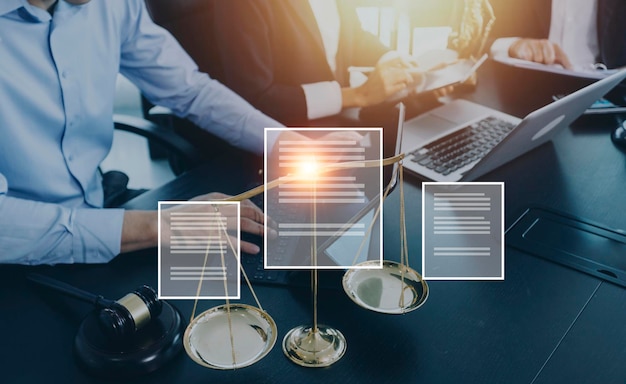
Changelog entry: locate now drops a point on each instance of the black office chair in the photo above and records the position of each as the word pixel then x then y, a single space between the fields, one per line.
pixel 182 156
pixel 189 22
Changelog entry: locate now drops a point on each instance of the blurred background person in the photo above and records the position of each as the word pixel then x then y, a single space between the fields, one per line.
pixel 290 58
pixel 577 34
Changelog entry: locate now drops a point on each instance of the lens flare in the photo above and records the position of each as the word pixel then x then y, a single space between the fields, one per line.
pixel 309 166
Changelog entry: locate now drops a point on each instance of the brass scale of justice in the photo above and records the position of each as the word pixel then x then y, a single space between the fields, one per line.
pixel 252 332
pixel 232 336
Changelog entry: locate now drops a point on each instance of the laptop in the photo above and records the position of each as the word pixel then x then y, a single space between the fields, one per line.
pixel 462 140
pixel 339 248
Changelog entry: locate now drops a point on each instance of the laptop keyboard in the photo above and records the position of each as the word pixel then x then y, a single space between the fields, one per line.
pixel 463 146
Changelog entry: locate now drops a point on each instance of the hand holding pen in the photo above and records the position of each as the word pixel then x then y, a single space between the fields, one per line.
pixel 384 80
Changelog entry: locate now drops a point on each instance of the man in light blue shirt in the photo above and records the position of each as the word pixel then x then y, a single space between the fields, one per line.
pixel 58 65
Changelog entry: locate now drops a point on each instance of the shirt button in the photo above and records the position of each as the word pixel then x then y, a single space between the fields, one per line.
pixel 64 74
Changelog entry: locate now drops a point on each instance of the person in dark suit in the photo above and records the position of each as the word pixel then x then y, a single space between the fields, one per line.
pixel 545 29
pixel 290 58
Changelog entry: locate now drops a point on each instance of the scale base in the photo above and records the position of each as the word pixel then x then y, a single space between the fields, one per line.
pixel 314 348
pixel 149 349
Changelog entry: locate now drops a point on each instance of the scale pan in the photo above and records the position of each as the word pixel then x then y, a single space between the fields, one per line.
pixel 213 341
pixel 382 289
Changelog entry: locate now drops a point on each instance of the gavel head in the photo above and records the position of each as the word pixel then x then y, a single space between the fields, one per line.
pixel 124 317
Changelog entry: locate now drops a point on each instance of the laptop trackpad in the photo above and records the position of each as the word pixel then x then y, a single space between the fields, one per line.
pixel 461 111
pixel 441 120
pixel 423 129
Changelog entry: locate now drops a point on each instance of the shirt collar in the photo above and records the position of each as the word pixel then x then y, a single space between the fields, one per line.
pixel 32 13
pixel 7 6
pixel 29 11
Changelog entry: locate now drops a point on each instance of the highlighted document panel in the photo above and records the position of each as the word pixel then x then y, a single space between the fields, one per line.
pixel 198 250
pixel 463 231
pixel 321 193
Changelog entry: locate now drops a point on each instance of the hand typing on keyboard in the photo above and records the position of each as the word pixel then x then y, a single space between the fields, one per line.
pixel 252 220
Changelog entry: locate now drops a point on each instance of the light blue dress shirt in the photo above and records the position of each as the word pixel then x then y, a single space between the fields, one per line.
pixel 57 85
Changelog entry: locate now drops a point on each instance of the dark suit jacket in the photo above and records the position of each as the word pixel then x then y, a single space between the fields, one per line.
pixel 531 19
pixel 268 48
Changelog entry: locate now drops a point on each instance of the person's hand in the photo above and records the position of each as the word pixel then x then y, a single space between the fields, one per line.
pixel 388 78
pixel 252 219
pixel 442 92
pixel 540 51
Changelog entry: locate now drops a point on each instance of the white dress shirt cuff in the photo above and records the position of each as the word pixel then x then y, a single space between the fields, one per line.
pixel 322 99
pixel 500 47
pixel 97 234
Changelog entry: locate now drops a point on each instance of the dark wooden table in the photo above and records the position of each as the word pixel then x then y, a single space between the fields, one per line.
pixel 545 323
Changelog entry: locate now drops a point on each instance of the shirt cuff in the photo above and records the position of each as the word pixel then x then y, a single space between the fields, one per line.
pixel 500 47
pixel 322 99
pixel 97 234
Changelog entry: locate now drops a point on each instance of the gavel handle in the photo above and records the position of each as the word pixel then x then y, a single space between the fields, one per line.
pixel 69 290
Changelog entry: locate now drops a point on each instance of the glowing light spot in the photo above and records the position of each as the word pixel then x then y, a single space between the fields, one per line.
pixel 309 166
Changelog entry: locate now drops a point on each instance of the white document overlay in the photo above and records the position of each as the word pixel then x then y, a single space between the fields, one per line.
pixel 318 193
pixel 198 254
pixel 463 231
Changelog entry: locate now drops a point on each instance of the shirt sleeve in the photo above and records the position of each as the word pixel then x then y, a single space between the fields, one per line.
pixel 154 61
pixel 33 232
pixel 323 99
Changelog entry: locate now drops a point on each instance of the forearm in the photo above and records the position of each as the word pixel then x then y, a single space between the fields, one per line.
pixel 33 232
pixel 139 231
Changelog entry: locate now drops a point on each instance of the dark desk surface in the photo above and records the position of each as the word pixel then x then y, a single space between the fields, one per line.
pixel 545 323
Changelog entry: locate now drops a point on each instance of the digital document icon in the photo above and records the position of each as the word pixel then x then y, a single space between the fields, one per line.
pixel 463 231
pixel 199 250
pixel 322 194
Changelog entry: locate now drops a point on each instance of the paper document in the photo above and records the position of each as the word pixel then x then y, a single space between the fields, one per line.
pixel 587 73
pixel 450 74
pixel 440 68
